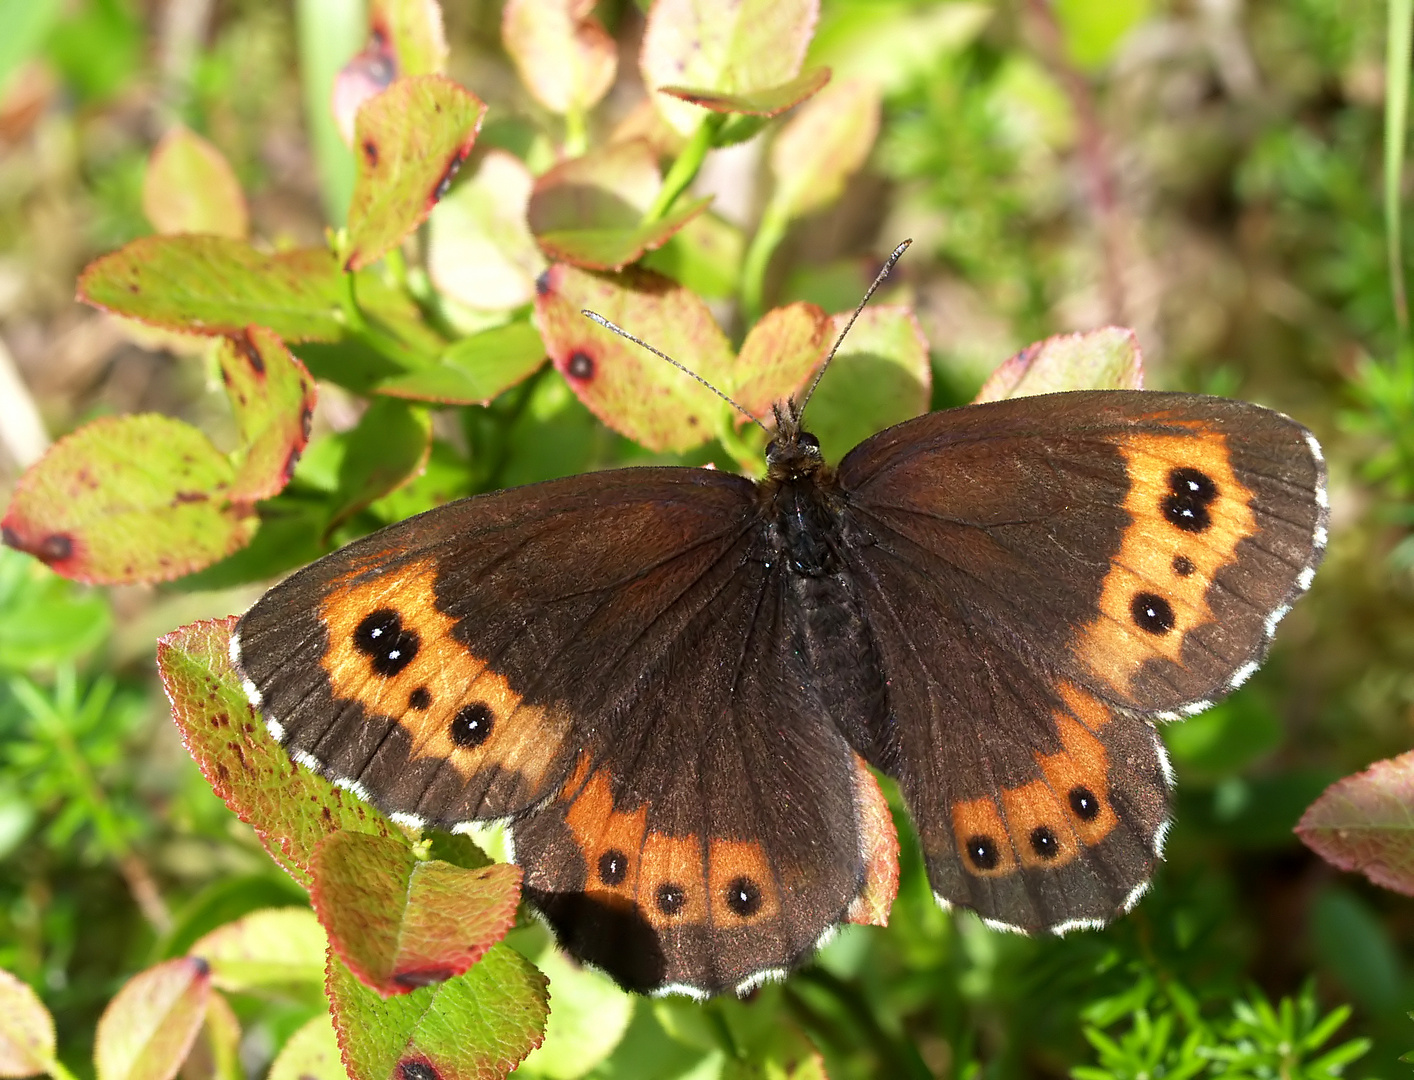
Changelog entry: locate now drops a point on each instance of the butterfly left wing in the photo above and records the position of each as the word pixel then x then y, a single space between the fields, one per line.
pixel 1042 577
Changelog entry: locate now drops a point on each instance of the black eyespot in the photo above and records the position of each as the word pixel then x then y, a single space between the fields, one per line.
pixel 613 867
pixel 1043 842
pixel 1084 803
pixel 1152 613
pixel 472 724
pixel 744 897
pixel 1183 565
pixel 670 898
pixel 420 699
pixel 417 1070
pixel 388 644
pixel 1186 505
pixel 982 850
pixel 581 365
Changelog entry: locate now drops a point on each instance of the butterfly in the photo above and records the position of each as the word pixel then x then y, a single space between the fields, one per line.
pixel 670 682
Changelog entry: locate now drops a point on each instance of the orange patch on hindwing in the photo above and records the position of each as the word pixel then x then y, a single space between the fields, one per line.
pixel 1044 823
pixel 1188 513
pixel 392 650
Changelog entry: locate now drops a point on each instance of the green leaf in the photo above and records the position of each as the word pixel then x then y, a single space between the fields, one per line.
pixel 779 355
pixel 479 1024
pixel 150 1025
pixel 562 54
pixel 22 29
pixel 727 48
pixel 1105 359
pixel 881 376
pixel 476 369
pixel 480 250
pixel 704 256
pixel 630 389
pixel 44 619
pixel 769 101
pixel 1365 823
pixel 292 531
pixel 400 923
pixel 387 448
pixel 290 808
pixel 447 476
pixel 190 188
pixel 126 499
pixel 896 43
pixel 588 1019
pixel 265 950
pixel 26 1030
pixel 413 29
pixel 311 1053
pixel 409 142
pixel 215 285
pixel 1093 31
pixel 272 396
pixel 613 249
pixel 821 146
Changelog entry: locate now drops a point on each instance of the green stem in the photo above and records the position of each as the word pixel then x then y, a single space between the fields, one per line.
pixel 56 1069
pixel 769 235
pixel 576 132
pixel 1401 22
pixel 685 167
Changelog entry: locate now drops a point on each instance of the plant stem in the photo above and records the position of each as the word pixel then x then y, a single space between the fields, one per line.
pixel 1401 19
pixel 576 133
pixel 769 235
pixel 684 168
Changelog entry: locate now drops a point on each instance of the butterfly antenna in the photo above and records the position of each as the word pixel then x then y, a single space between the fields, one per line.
pixel 888 265
pixel 607 325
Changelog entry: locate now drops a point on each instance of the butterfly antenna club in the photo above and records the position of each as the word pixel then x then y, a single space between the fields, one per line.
pixel 607 325
pixel 883 273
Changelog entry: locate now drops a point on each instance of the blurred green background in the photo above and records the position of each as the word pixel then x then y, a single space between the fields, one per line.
pixel 1209 172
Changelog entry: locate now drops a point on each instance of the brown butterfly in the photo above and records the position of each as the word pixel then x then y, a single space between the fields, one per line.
pixel 664 679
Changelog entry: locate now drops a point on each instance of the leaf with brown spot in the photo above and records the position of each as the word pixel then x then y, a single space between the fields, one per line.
pixel 290 808
pixel 1104 359
pixel 148 1028
pixel 562 53
pixel 779 355
pixel 215 285
pixel 26 1030
pixel 1365 823
pixel 735 49
pixel 272 396
pixel 627 387
pixel 401 923
pixel 409 142
pixel 477 1026
pixel 190 188
pixel 413 30
pixel 127 499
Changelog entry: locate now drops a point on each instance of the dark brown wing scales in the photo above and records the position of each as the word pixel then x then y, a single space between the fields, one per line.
pixel 1041 575
pixel 723 838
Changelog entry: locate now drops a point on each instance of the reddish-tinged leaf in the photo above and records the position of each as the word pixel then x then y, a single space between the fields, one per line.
pixel 562 53
pixel 126 499
pixel 26 1029
pixel 480 251
pixel 401 923
pixel 872 906
pixel 215 285
pixel 413 30
pixel 1365 822
pixel 189 188
pixel 476 369
pixel 771 101
pixel 477 1026
pixel 608 188
pixel 822 145
pixel 613 249
pixel 881 376
pixel 779 355
pixel 725 48
pixel 1105 359
pixel 148 1028
pixel 363 78
pixel 290 808
pixel 409 142
pixel 272 396
pixel 311 1053
pixel 627 387
pixel 268 949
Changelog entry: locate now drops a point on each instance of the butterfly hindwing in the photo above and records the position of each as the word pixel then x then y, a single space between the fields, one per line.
pixel 1043 576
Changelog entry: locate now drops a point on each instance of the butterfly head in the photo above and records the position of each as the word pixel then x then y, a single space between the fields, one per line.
pixel 793 453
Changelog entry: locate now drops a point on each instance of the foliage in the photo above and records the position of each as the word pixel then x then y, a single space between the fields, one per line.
pixel 1215 183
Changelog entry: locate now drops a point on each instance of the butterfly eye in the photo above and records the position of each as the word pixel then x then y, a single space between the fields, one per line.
pixel 808 441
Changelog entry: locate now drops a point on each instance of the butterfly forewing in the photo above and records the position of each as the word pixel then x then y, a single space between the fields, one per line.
pixel 1041 575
